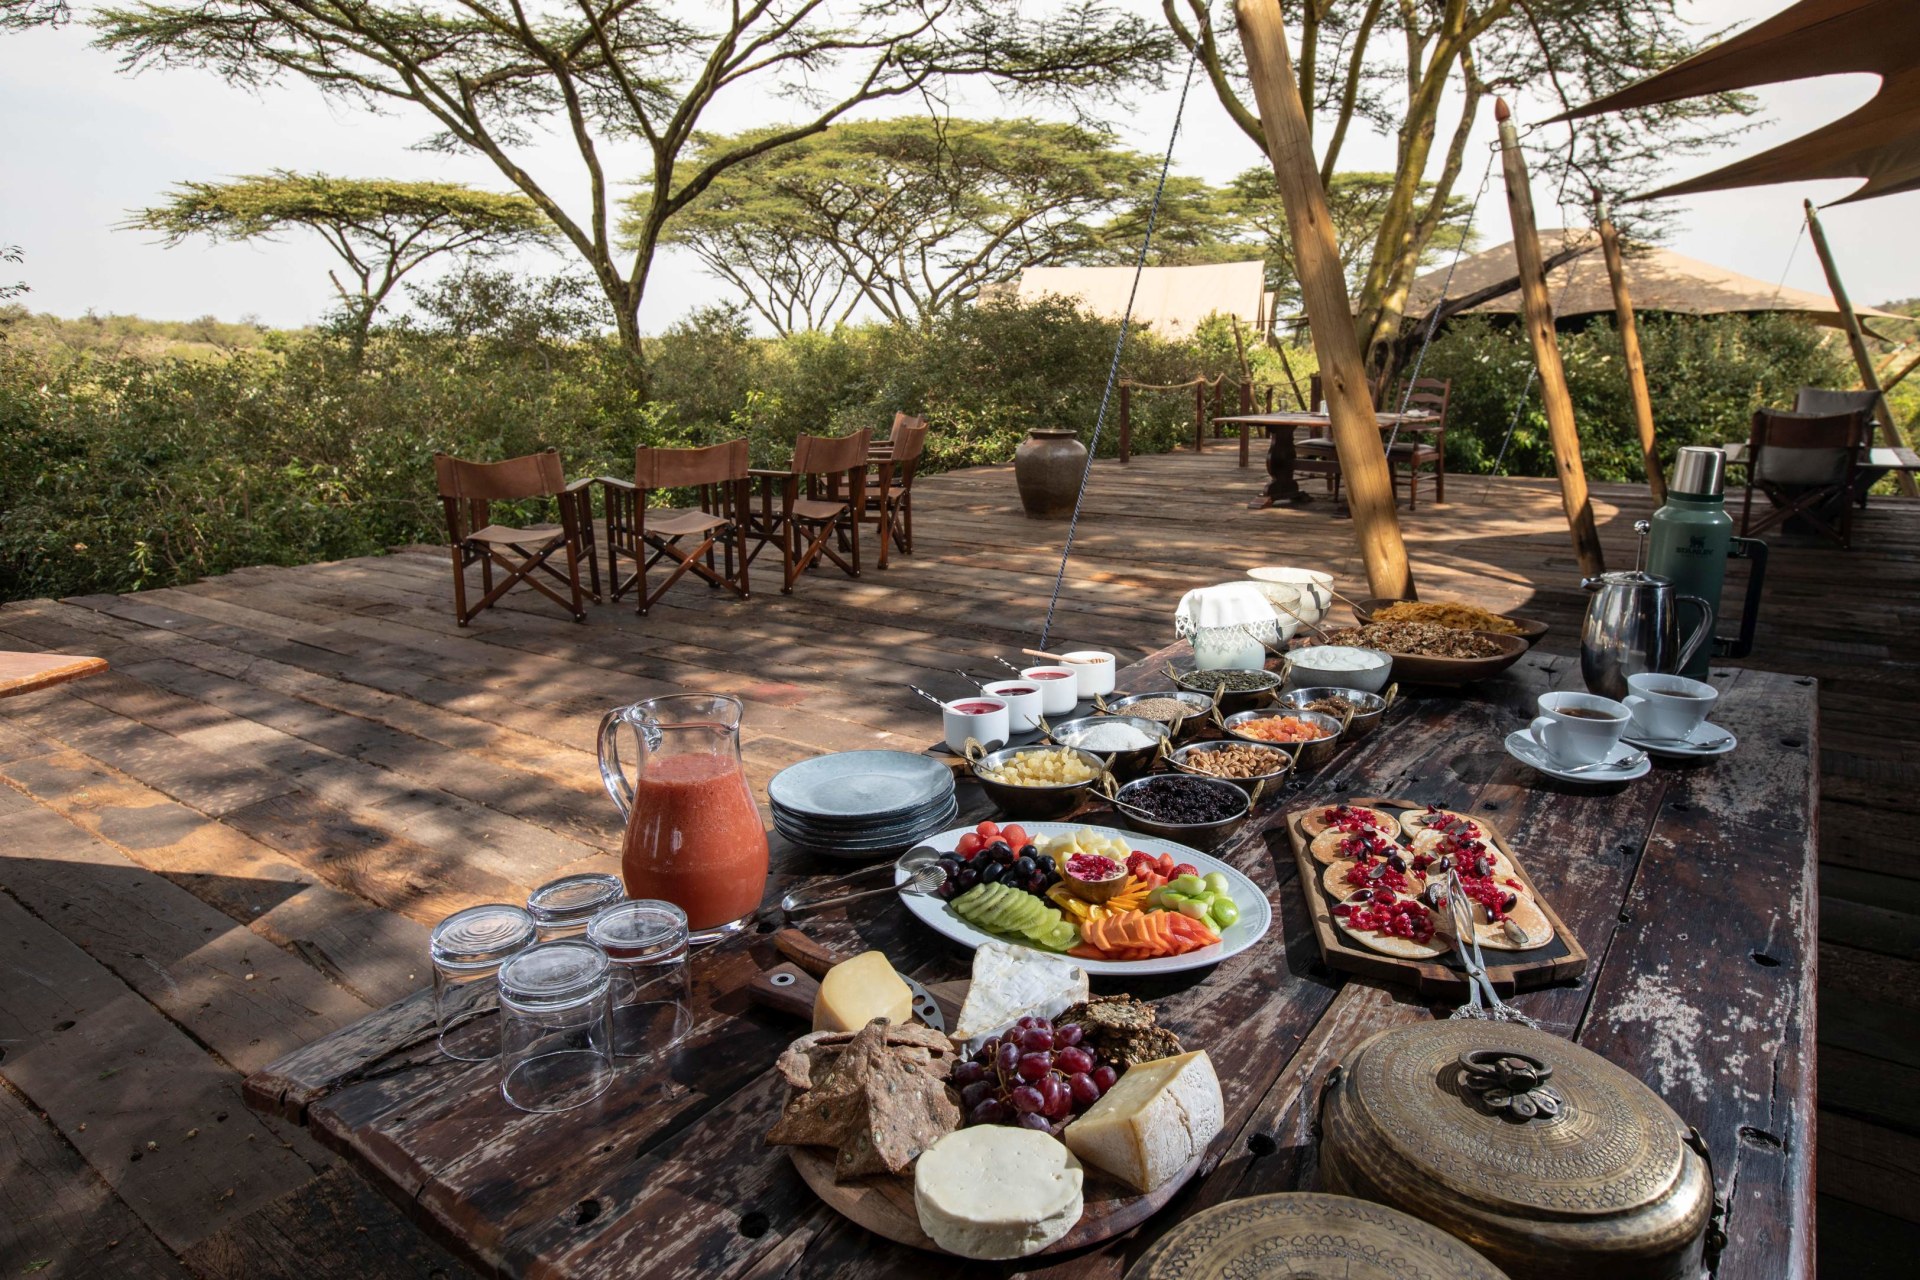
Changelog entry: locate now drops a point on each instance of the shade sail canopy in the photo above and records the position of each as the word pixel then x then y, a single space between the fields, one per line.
pixel 1657 279
pixel 1174 300
pixel 1880 142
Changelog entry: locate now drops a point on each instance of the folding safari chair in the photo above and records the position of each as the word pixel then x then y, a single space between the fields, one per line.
pixel 1826 403
pixel 688 537
pixel 889 502
pixel 1419 445
pixel 813 510
pixel 1807 466
pixel 467 490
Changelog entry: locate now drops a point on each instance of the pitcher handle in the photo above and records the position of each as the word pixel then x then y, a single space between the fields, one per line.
pixel 612 776
pixel 1701 634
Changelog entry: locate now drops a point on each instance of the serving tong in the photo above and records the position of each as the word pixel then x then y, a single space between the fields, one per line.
pixel 924 875
pixel 1489 1007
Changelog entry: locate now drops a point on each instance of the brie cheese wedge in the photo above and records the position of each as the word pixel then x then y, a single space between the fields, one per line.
pixel 996 1191
pixel 1009 983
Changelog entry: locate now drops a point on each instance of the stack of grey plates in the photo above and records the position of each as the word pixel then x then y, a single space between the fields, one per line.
pixel 862 804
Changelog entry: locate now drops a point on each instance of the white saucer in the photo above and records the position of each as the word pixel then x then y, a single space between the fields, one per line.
pixel 1522 747
pixel 1709 739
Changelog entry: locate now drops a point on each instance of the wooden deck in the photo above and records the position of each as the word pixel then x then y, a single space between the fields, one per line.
pixel 236 839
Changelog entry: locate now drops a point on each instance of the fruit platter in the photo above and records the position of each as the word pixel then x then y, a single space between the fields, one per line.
pixel 1116 902
pixel 1378 874
pixel 1046 1119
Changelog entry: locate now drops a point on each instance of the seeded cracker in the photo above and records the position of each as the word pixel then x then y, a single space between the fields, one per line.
pixel 877 1101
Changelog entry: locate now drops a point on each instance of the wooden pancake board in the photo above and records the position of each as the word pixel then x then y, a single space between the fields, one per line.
pixel 1559 960
pixel 884 1206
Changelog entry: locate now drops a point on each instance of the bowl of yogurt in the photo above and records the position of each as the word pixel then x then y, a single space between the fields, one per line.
pixel 1338 666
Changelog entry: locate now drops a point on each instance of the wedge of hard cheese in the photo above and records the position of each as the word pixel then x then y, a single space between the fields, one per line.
pixel 1008 983
pixel 857 991
pixel 1160 1115
pixel 994 1191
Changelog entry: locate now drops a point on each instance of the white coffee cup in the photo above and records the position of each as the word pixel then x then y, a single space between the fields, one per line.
pixel 1665 706
pixel 1059 688
pixel 1023 709
pixel 1578 728
pixel 1092 671
pixel 979 717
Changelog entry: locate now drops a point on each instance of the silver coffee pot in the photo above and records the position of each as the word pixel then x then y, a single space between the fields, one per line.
pixel 1633 626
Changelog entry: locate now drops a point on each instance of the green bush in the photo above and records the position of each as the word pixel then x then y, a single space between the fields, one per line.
pixel 1705 375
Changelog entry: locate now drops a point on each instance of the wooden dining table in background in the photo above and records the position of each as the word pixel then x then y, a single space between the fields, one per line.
pixel 1690 888
pixel 1282 485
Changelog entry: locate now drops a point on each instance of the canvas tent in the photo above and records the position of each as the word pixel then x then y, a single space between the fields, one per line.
pixel 1659 280
pixel 1173 300
pixel 1880 142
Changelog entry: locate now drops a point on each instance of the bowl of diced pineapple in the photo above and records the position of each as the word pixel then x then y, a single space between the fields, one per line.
pixel 1039 781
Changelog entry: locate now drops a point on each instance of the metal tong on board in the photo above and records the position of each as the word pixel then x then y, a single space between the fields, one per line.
pixel 1483 1001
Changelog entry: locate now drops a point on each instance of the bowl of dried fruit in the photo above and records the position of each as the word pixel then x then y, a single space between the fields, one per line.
pixel 1310 737
pixel 1461 617
pixel 1197 812
pixel 1368 709
pixel 1427 653
pixel 1257 770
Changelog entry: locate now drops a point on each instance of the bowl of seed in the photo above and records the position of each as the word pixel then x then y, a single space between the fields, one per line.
pixel 1258 771
pixel 1191 810
pixel 1238 690
pixel 1184 713
pixel 1129 744
pixel 1368 708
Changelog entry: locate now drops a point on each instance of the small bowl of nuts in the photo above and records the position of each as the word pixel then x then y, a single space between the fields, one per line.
pixel 1368 708
pixel 1259 771
pixel 1036 782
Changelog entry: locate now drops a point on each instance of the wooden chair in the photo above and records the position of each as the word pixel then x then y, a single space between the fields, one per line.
pixel 1315 455
pixel 882 446
pixel 1421 445
pixel 718 476
pixel 467 490
pixel 814 512
pixel 889 504
pixel 1822 401
pixel 1807 466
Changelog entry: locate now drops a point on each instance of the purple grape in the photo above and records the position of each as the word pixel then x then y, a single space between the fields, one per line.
pixel 1007 1059
pixel 1034 1120
pixel 990 1111
pixel 1026 1098
pixel 1027 1021
pixel 1085 1091
pixel 1104 1077
pixel 976 1093
pixel 1059 1098
pixel 967 878
pixel 1073 1061
pixel 967 1073
pixel 987 1051
pixel 1036 1066
pixel 1065 1037
pixel 1036 1039
pixel 1037 883
pixel 1043 1024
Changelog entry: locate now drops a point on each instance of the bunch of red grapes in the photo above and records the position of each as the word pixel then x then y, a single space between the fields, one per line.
pixel 1036 1075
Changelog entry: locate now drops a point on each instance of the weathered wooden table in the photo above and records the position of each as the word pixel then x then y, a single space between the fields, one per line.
pixel 1691 888
pixel 31 672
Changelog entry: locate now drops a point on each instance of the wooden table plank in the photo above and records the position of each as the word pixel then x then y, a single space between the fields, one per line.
pixel 27 672
pixel 670 1166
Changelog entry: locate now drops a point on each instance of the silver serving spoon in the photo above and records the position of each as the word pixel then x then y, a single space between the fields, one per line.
pixel 1605 766
pixel 923 880
pixel 916 862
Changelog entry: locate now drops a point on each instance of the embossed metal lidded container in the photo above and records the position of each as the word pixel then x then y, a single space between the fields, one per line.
pixel 1543 1156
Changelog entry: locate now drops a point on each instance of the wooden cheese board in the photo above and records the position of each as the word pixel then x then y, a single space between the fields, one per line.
pixel 884 1205
pixel 1560 959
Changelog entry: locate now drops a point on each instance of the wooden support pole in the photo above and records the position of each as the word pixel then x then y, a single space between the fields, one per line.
pixel 1323 287
pixel 1538 309
pixel 1126 423
pixel 1630 353
pixel 1869 379
pixel 1200 414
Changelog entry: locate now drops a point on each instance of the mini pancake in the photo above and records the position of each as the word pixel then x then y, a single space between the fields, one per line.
pixel 1415 820
pixel 1328 846
pixel 1429 842
pixel 1526 916
pixel 1334 880
pixel 1400 948
pixel 1316 820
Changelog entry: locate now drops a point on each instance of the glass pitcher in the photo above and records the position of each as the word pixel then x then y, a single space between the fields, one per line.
pixel 693 835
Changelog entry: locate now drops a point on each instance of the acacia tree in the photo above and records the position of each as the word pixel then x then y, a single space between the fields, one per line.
pixel 909 215
pixel 611 73
pixel 1400 66
pixel 379 228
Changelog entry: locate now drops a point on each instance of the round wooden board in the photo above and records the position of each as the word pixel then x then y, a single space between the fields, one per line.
pixel 884 1206
pixel 1308 1235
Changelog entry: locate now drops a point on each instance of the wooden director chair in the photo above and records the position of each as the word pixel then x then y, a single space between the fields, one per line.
pixel 467 490
pixel 1420 449
pixel 1807 465
pixel 1315 455
pixel 889 502
pixel 687 536
pixel 815 511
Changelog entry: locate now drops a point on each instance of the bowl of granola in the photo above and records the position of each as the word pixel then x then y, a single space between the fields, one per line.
pixel 1427 653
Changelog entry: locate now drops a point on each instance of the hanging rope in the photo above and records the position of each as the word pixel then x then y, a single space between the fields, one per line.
pixel 1126 323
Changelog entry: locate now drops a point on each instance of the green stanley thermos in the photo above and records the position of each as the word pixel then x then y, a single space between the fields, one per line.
pixel 1689 541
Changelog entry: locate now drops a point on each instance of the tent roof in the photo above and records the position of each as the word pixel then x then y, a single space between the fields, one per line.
pixel 1658 279
pixel 1172 299
pixel 1880 142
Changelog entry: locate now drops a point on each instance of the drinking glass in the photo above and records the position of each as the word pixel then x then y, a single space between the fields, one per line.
pixel 562 908
pixel 645 942
pixel 468 948
pixel 556 1035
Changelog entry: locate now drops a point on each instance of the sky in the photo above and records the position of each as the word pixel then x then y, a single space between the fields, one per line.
pixel 85 143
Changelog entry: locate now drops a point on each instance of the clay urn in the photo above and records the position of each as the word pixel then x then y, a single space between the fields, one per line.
pixel 1048 466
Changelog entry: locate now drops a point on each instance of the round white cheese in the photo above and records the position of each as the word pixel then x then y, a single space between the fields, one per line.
pixel 997 1191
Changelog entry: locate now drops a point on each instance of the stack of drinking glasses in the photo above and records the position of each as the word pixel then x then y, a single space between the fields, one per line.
pixel 561 988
